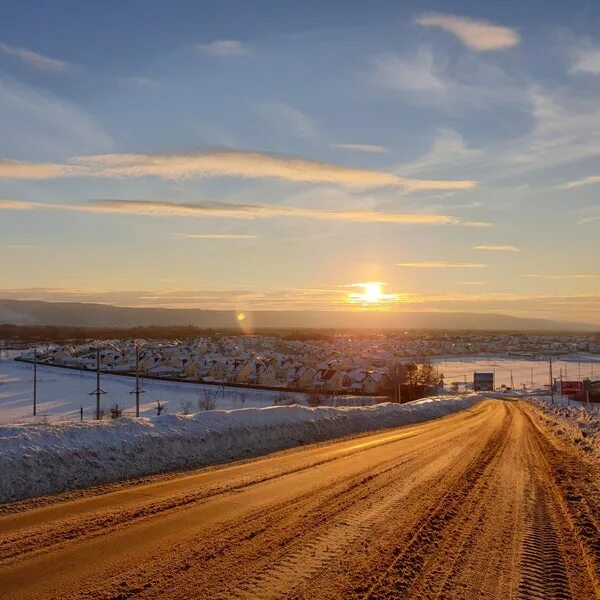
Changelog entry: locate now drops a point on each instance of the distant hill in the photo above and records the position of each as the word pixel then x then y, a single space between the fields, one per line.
pixel 77 314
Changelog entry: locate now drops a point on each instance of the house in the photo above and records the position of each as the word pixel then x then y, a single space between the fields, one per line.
pixel 266 374
pixel 328 379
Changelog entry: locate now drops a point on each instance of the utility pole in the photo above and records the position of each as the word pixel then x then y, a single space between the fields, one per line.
pixel 531 377
pixel 551 383
pixel 138 388
pixel 35 382
pixel 98 391
pixel 512 382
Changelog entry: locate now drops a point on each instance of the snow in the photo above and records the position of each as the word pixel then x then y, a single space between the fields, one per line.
pixel 575 421
pixel 38 459
pixel 529 371
pixel 61 392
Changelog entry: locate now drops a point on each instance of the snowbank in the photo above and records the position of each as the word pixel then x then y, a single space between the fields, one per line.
pixel 44 459
pixel 575 421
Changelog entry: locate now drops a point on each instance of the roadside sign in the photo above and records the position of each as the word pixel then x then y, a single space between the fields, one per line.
pixel 483 382
pixel 571 388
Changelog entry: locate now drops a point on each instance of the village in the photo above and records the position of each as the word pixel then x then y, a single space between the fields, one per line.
pixel 340 364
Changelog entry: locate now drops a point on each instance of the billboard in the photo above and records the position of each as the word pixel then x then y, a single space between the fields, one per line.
pixel 571 388
pixel 483 382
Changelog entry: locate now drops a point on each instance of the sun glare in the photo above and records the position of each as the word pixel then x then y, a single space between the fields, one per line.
pixel 372 293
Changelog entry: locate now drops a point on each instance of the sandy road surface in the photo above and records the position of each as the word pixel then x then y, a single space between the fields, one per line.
pixel 481 504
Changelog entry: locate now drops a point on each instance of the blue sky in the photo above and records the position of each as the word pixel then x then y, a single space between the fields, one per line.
pixel 271 154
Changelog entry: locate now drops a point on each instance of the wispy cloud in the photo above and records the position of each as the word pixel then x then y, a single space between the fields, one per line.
pixel 592 180
pixel 473 283
pixel 36 122
pixel 288 119
pixel 448 147
pixel 33 59
pixel 416 73
pixel 255 211
pixel 220 209
pixel 428 264
pixel 561 277
pixel 13 169
pixel 368 148
pixel 497 248
pixel 586 59
pixel 428 79
pixel 478 35
pixel 224 48
pixel 20 205
pixel 248 165
pixel 215 236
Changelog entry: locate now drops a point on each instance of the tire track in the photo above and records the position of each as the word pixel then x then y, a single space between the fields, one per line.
pixel 544 573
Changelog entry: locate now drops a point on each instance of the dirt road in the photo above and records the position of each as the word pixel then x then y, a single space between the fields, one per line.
pixel 482 504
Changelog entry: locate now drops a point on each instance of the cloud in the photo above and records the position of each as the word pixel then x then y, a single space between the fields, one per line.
pixel 441 265
pixel 37 123
pixel 219 209
pixel 592 180
pixel 427 79
pixel 448 147
pixel 255 211
pixel 216 236
pixel 588 220
pixel 288 119
pixel 415 73
pixel 586 59
pixel 368 148
pixel 478 35
pixel 224 48
pixel 474 283
pixel 561 277
pixel 249 165
pixel 497 248
pixel 33 59
pixel 20 205
pixel 13 169
pixel 565 131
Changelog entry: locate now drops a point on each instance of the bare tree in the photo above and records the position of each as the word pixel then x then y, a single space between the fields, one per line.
pixel 208 401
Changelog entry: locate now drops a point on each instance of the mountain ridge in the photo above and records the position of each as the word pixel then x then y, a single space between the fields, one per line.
pixel 80 314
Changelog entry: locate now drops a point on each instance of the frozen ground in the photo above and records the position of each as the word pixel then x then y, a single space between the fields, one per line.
pixel 531 372
pixel 38 459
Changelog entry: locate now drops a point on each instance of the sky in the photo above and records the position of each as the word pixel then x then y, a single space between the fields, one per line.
pixel 277 155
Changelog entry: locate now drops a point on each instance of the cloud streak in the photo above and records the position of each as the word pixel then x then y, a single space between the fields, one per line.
pixel 220 209
pixel 591 180
pixel 368 148
pixel 561 277
pixel 38 61
pixel 478 35
pixel 215 236
pixel 497 248
pixel 223 48
pixel 441 265
pixel 245 165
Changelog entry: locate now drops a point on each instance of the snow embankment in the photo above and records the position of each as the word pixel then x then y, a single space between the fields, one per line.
pixel 40 459
pixel 574 421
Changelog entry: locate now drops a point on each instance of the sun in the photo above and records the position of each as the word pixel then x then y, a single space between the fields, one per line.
pixel 372 293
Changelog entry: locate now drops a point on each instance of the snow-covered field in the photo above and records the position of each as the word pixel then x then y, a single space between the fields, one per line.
pixel 529 372
pixel 61 392
pixel 37 459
